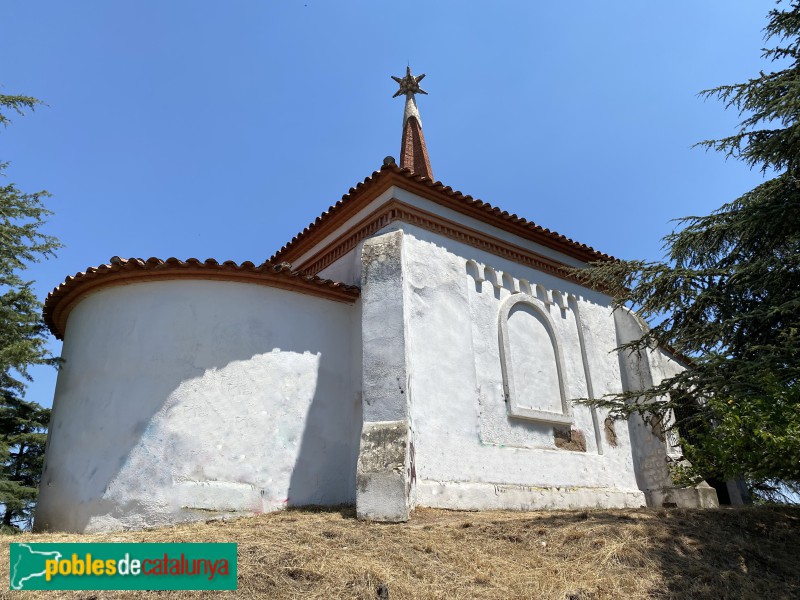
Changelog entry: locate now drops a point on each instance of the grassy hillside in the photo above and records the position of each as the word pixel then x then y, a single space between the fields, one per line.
pixel 575 555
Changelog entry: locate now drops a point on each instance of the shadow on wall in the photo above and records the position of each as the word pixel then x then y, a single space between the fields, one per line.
pixel 186 400
pixel 325 469
pixel 648 451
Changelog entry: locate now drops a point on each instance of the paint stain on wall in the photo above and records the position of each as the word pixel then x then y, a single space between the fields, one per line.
pixel 611 433
pixel 569 439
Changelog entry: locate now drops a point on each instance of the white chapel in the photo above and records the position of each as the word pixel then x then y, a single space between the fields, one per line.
pixel 413 346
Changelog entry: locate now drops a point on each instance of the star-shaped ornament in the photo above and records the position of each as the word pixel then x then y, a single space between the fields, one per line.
pixel 409 84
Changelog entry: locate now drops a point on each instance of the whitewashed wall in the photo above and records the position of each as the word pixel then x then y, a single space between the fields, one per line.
pixel 653 447
pixel 468 452
pixel 183 400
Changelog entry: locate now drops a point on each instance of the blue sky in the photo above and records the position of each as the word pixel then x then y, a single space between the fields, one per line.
pixel 220 129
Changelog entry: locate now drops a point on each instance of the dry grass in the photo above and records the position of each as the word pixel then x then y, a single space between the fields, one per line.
pixel 567 555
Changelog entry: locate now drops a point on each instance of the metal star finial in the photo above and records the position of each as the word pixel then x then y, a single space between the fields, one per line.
pixel 409 84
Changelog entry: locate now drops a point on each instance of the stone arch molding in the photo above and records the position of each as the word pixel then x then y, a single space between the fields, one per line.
pixel 532 363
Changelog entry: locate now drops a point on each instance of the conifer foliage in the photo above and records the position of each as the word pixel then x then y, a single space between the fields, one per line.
pixel 727 294
pixel 24 432
pixel 22 337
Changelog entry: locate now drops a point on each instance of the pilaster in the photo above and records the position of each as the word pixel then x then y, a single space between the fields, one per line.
pixel 385 472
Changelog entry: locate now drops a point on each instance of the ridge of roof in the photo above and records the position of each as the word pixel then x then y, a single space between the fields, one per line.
pixel 127 270
pixel 454 199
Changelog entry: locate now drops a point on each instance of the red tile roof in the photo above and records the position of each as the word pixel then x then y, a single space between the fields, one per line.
pixel 120 270
pixel 391 174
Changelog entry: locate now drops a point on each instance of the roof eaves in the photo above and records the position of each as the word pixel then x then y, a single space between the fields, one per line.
pixel 60 300
pixel 461 202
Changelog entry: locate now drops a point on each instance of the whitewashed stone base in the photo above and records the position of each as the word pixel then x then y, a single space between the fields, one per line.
pixel 700 496
pixel 381 483
pixel 486 496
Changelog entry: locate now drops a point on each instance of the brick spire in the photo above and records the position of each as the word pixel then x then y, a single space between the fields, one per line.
pixel 413 152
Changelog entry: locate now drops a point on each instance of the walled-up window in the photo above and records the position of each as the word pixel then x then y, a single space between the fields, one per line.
pixel 533 368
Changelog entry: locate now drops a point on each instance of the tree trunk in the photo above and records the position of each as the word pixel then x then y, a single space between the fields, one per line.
pixel 18 463
pixel 9 513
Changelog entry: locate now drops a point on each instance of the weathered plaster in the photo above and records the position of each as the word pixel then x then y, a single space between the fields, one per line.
pixel 652 450
pixel 382 491
pixel 461 495
pixel 180 400
pixel 463 433
pixel 384 465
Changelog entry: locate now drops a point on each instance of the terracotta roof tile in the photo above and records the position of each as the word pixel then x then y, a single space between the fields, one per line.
pixel 456 200
pixel 121 270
